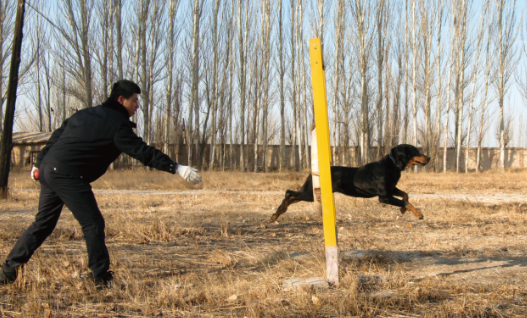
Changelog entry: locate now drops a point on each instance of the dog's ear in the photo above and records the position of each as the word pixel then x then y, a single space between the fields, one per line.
pixel 399 153
pixel 408 151
pixel 411 152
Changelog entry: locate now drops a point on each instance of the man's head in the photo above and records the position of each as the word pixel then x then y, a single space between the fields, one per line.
pixel 126 93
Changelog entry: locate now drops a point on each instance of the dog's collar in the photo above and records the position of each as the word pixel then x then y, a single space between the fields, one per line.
pixel 393 160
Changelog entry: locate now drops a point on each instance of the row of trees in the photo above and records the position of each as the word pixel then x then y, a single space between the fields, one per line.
pixel 430 73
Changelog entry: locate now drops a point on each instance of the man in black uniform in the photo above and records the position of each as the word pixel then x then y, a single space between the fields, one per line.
pixel 78 153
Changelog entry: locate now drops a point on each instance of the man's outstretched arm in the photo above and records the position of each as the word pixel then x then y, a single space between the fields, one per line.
pixel 131 144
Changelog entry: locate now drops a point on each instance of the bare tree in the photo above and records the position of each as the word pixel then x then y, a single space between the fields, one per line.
pixel 104 53
pixel 450 67
pixel 38 40
pixel 232 62
pixel 461 12
pixel 214 80
pixel 257 74
pixel 78 14
pixel 439 105
pixel 426 17
pixel 406 74
pixel 320 28
pixel 194 99
pixel 266 71
pixel 281 73
pixel 243 29
pixel 174 5
pixel 474 82
pixel 522 74
pixel 415 53
pixel 118 33
pixel 339 60
pixel 381 19
pixel 361 11
pixel 293 45
pixel 46 62
pixel 483 104
pixel 507 30
pixel 400 50
pixel 7 132
pixel 305 121
pixel 7 12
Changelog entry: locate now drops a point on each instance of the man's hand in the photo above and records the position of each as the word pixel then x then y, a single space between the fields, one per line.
pixel 34 173
pixel 189 174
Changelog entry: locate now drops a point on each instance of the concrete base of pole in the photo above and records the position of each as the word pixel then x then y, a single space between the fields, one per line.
pixel 332 265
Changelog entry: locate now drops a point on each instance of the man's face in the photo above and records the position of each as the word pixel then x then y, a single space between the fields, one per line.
pixel 131 104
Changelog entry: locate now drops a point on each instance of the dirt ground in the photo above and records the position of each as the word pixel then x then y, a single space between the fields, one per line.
pixel 209 251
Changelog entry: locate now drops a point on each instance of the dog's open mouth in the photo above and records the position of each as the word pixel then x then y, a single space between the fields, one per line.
pixel 419 161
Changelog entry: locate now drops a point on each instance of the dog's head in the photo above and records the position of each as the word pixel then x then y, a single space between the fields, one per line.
pixel 407 156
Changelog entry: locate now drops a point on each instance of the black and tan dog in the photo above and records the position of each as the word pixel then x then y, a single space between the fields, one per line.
pixel 377 178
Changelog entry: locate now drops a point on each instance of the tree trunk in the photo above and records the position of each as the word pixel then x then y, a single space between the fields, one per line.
pixel 414 79
pixel 281 163
pixel 194 102
pixel 7 132
pixel 266 71
pixel 474 85
pixel 243 64
pixel 381 11
pixel 214 87
pixel 459 101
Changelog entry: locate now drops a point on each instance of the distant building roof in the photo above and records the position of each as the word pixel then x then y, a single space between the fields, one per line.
pixel 25 138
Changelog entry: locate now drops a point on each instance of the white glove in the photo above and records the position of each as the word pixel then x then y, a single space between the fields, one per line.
pixel 189 174
pixel 33 173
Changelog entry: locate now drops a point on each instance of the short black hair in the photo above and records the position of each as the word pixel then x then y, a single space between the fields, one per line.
pixel 124 88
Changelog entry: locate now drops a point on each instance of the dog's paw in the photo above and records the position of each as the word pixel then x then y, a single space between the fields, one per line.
pixel 419 214
pixel 403 210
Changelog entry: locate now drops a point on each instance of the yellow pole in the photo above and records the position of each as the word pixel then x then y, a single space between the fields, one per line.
pixel 318 78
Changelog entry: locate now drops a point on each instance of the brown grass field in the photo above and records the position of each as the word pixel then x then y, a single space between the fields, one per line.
pixel 213 254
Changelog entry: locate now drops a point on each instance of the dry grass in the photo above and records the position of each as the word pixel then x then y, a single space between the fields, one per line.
pixel 211 255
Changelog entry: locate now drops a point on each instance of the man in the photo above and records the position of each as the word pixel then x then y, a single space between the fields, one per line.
pixel 76 154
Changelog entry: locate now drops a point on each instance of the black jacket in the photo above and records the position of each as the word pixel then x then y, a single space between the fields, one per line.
pixel 90 140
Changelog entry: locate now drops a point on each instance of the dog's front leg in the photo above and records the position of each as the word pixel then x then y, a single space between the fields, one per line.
pixel 402 194
pixel 414 210
pixel 403 204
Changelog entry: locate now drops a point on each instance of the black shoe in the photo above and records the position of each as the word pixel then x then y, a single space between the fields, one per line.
pixel 102 280
pixel 8 274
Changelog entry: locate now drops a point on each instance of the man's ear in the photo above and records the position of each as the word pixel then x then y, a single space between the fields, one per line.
pixel 120 99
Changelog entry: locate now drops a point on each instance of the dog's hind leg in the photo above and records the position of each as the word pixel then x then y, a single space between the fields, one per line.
pixel 305 194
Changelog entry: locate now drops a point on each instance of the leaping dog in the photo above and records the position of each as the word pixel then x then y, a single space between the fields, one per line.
pixel 378 178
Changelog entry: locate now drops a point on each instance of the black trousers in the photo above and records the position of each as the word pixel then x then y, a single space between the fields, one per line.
pixel 57 189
